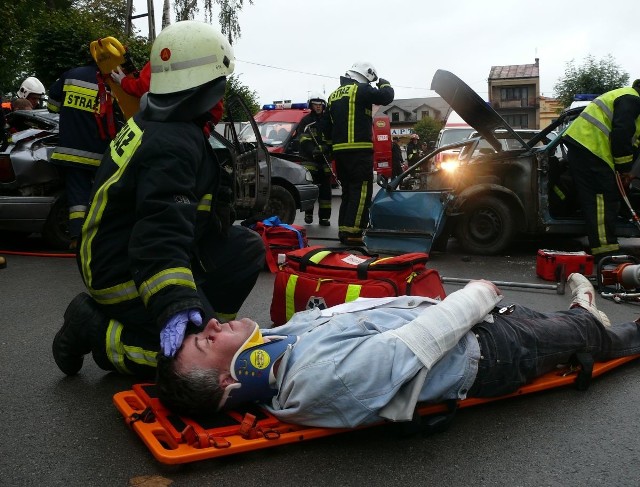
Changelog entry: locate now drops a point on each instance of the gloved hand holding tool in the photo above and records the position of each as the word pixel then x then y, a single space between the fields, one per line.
pixel 117 75
pixel 382 81
pixel 172 334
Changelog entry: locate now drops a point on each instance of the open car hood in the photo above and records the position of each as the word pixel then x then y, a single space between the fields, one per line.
pixel 473 109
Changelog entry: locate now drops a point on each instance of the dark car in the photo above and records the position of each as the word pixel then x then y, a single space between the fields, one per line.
pixel 498 192
pixel 32 198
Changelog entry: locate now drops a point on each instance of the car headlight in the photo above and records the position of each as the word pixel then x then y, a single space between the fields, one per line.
pixel 449 165
pixel 308 177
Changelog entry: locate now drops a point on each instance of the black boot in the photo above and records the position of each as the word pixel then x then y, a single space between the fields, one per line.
pixel 308 218
pixel 82 320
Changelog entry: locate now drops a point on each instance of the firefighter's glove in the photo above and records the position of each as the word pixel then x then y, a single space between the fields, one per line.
pixel 382 81
pixel 172 334
pixel 117 75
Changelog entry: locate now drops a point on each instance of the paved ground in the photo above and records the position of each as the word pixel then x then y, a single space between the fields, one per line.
pixel 65 431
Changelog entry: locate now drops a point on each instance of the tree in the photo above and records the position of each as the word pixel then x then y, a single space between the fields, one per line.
pixel 227 16
pixel 249 97
pixel 593 76
pixel 428 129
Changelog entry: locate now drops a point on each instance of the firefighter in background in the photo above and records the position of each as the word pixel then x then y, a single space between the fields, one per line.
pixel 413 149
pixel 158 250
pixel 32 90
pixel 315 151
pixel 87 125
pixel 604 140
pixel 348 128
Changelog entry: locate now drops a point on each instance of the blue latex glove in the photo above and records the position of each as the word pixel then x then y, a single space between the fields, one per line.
pixel 172 334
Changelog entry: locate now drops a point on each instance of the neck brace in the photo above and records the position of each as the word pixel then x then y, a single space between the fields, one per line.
pixel 252 368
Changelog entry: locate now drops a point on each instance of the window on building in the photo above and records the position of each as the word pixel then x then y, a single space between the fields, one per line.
pixel 424 114
pixel 517 121
pixel 514 93
pixel 395 116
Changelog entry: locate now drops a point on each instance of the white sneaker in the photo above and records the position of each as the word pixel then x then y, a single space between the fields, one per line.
pixel 584 295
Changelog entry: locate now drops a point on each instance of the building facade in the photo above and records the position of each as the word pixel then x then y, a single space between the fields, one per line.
pixel 514 92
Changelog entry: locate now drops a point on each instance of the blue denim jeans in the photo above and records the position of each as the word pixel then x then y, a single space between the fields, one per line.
pixel 525 344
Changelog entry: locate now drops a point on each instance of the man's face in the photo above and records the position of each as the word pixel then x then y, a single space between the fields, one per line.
pixel 34 98
pixel 215 345
pixel 317 107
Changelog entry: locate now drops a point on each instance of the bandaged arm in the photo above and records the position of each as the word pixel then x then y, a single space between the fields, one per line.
pixel 438 328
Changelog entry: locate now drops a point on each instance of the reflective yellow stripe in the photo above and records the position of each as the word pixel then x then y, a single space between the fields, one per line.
pixel 76 215
pixel 353 145
pixel 87 161
pixel 114 348
pixel 53 106
pixel 141 356
pixel 351 115
pixel 126 143
pixel 361 203
pixel 177 276
pixel 289 296
pixel 602 233
pixel 353 292
pixel 205 203
pixel 559 193
pixel 319 256
pixel 115 294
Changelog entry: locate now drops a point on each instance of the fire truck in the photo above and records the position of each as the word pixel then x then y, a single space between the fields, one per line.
pixel 278 123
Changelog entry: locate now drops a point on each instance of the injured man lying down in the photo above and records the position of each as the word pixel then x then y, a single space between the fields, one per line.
pixel 374 359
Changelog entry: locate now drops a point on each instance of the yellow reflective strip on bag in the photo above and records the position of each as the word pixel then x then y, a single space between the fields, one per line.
pixel 289 296
pixel 319 256
pixel 353 292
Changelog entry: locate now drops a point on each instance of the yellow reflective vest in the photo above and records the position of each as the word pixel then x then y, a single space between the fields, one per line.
pixel 593 128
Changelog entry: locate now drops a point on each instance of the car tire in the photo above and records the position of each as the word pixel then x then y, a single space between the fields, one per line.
pixel 486 227
pixel 281 203
pixel 55 231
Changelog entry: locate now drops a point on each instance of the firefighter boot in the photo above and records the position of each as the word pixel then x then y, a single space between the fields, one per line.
pixel 308 217
pixel 82 320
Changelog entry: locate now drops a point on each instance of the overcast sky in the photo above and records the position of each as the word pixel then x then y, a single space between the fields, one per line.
pixel 289 48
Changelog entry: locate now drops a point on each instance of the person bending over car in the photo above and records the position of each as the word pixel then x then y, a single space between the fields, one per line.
pixel 374 359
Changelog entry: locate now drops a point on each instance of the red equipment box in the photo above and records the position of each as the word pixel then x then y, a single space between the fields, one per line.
pixel 553 265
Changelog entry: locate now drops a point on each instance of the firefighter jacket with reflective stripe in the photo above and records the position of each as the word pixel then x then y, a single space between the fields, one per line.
pixel 75 96
pixel 150 207
pixel 348 124
pixel 311 136
pixel 609 127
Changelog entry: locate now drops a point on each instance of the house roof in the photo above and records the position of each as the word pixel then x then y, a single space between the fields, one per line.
pixel 410 105
pixel 515 71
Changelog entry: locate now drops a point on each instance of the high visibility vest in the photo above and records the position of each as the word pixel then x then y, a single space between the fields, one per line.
pixel 593 127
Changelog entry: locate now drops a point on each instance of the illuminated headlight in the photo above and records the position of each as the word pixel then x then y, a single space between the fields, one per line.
pixel 449 165
pixel 308 177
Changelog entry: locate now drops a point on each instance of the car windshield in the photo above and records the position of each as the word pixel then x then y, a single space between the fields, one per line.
pixel 272 133
pixel 451 136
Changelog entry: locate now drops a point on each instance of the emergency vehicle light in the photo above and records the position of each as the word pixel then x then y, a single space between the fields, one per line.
pixel 299 106
pixel 270 106
pixel 585 96
pixel 281 106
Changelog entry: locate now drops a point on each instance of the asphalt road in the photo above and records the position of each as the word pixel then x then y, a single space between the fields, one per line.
pixel 66 431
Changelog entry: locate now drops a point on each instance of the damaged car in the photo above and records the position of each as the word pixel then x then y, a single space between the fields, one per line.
pixel 495 193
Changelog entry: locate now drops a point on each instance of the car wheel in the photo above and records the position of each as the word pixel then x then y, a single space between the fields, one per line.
pixel 486 227
pixel 282 204
pixel 56 229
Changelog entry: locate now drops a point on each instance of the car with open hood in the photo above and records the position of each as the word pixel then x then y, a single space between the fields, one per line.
pixel 496 192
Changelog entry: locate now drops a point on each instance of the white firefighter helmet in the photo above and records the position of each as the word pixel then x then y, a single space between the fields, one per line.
pixel 29 86
pixel 316 97
pixel 362 72
pixel 189 54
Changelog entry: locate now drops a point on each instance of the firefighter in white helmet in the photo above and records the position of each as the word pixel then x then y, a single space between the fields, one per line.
pixel 348 127
pixel 158 250
pixel 33 90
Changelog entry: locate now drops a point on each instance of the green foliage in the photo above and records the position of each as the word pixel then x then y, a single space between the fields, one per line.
pixel 593 76
pixel 428 129
pixel 249 97
pixel 227 15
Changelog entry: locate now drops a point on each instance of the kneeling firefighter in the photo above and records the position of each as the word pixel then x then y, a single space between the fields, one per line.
pixel 317 154
pixel 158 250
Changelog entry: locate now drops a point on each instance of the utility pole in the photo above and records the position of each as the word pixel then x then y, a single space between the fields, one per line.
pixel 150 16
